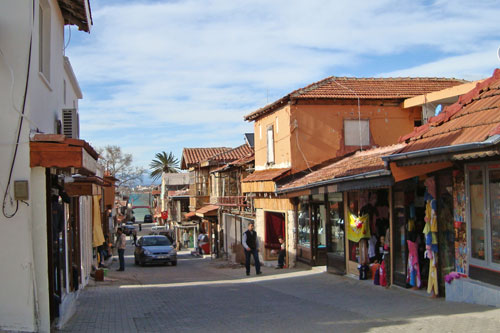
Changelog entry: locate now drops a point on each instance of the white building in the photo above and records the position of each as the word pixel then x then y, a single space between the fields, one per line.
pixel 39 95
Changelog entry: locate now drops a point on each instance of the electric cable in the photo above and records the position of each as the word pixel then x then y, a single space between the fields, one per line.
pixel 359 111
pixel 21 119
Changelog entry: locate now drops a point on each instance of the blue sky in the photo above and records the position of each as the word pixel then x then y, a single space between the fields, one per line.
pixel 163 75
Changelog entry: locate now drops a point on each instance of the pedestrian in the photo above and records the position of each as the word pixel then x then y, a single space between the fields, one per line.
pixel 121 243
pixel 134 236
pixel 282 253
pixel 185 238
pixel 201 238
pixel 251 245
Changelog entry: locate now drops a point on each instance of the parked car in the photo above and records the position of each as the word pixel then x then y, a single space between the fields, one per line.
pixel 155 249
pixel 148 218
pixel 128 229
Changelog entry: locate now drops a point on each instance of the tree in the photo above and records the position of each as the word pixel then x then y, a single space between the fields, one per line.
pixel 119 165
pixel 164 163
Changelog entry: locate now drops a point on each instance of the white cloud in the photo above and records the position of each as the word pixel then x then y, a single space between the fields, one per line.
pixel 205 64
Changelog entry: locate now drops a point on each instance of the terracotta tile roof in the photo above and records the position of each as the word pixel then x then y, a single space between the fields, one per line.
pixel 474 118
pixel 231 155
pixel 192 156
pixel 190 214
pixel 365 88
pixel 359 163
pixel 266 175
pixel 240 162
pixel 206 209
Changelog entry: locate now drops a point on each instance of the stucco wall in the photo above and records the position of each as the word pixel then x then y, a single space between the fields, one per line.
pixel 280 119
pixel 24 291
pixel 319 129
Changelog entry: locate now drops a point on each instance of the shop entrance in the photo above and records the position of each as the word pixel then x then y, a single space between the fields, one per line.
pixel 335 234
pixel 312 220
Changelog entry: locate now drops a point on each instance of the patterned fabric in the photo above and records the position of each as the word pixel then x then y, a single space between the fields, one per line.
pixel 358 227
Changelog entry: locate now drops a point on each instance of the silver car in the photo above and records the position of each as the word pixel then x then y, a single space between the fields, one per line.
pixel 154 249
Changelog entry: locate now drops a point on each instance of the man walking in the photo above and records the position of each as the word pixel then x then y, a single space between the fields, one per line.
pixel 121 243
pixel 251 246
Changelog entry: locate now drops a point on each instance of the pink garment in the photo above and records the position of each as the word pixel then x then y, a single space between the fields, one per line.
pixel 383 274
pixel 413 270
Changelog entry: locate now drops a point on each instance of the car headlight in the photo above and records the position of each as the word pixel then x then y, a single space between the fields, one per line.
pixel 173 253
pixel 148 253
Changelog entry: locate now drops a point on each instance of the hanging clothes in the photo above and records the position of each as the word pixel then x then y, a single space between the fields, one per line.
pixel 358 227
pixel 413 270
pixel 432 286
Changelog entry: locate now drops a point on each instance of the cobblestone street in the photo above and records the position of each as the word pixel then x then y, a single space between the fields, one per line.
pixel 204 295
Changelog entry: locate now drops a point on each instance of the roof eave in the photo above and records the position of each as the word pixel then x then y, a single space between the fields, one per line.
pixel 371 174
pixel 491 141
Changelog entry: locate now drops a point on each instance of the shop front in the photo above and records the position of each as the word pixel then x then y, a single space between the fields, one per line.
pixel 368 231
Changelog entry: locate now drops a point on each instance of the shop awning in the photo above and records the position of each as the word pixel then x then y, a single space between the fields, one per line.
pixel 209 210
pixel 190 215
pixel 58 151
pixel 84 186
pixel 406 172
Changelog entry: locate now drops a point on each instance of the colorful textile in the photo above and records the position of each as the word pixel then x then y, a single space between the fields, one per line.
pixel 383 275
pixel 413 270
pixel 358 227
pixel 432 286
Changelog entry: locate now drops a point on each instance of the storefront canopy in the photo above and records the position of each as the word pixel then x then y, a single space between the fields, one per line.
pixel 58 151
pixel 209 210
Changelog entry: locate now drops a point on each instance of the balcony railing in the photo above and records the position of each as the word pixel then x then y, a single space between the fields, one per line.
pixel 232 201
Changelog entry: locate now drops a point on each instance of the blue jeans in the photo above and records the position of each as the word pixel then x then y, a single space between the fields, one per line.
pixel 255 254
pixel 121 257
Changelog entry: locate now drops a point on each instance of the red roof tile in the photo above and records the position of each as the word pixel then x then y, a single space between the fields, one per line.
pixel 192 156
pixel 232 154
pixel 474 118
pixel 240 162
pixel 266 175
pixel 359 163
pixel 364 88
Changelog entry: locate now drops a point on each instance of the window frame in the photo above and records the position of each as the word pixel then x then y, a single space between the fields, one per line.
pixel 44 42
pixel 367 136
pixel 270 150
pixel 487 263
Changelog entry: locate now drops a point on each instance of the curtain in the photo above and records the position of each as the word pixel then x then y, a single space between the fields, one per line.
pixel 275 227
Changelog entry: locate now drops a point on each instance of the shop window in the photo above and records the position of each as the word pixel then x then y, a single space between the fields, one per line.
pixel 304 225
pixel 484 210
pixel 476 189
pixel 357 132
pixel 336 216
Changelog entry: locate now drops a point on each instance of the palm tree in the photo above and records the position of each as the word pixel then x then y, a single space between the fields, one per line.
pixel 163 163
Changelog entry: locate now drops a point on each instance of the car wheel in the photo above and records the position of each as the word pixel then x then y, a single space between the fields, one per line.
pixel 174 263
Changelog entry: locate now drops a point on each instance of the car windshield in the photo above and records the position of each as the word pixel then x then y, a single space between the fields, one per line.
pixel 155 241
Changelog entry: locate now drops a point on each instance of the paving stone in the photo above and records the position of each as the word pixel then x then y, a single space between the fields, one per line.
pixel 204 295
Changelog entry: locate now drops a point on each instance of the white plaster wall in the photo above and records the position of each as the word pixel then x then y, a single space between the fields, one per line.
pixel 22 307
pixel 291 240
pixel 17 301
pixel 39 221
pixel 260 224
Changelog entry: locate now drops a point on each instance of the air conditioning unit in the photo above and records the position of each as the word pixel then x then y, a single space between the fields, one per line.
pixel 70 123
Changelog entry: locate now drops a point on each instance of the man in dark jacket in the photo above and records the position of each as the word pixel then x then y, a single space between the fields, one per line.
pixel 251 245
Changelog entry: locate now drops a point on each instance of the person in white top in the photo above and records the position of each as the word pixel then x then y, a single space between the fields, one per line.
pixel 121 243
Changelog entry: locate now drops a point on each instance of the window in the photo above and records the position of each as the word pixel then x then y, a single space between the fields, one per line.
pixel 357 132
pixel 44 39
pixel 304 225
pixel 270 145
pixel 336 209
pixel 484 212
